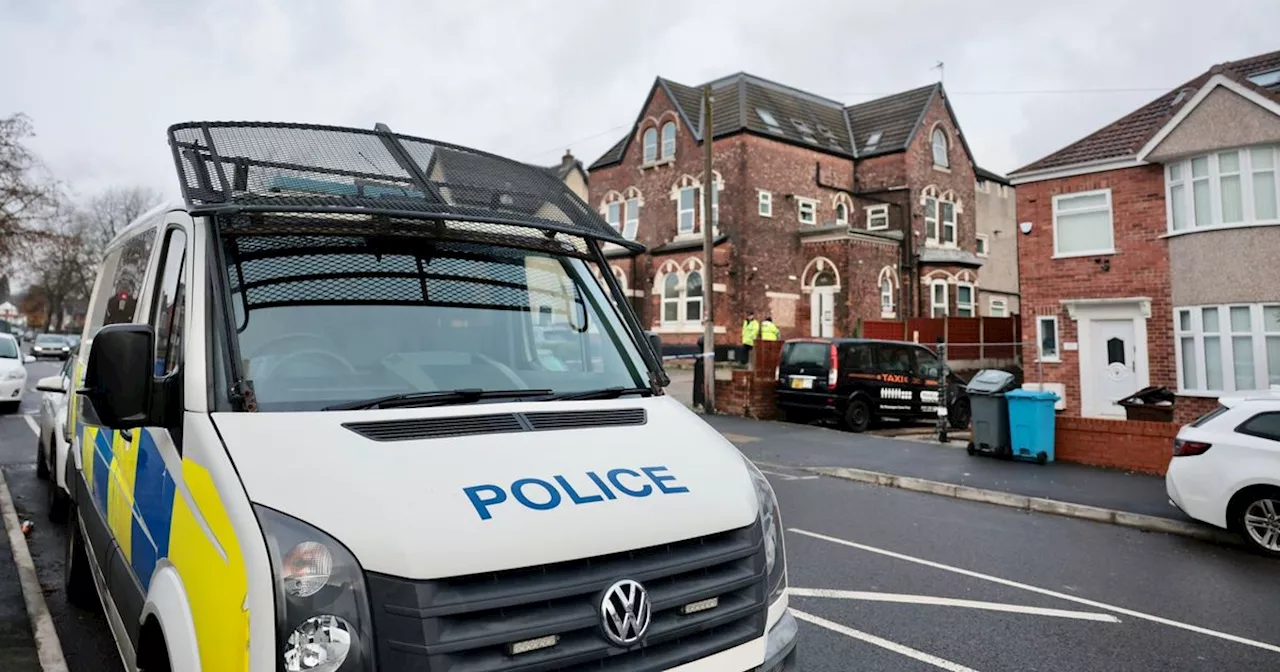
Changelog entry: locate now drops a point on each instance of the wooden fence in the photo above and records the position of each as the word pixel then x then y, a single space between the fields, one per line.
pixel 966 337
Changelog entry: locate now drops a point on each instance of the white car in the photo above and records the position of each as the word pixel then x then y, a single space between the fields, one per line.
pixel 51 451
pixel 13 374
pixel 1225 469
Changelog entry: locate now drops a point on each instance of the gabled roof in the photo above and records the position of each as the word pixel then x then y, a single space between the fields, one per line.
pixel 894 117
pixel 1123 138
pixel 984 174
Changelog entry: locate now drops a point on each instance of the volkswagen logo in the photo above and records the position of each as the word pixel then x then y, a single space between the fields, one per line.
pixel 625 612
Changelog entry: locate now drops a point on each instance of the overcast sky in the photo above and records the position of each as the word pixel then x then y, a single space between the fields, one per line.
pixel 102 79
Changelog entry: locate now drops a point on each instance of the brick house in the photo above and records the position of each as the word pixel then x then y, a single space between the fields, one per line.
pixel 825 215
pixel 1148 248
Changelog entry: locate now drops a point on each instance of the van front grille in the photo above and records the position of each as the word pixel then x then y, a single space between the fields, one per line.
pixel 466 623
pixel 497 423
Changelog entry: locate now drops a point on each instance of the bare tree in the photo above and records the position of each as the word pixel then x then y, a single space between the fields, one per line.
pixel 62 260
pixel 107 213
pixel 25 191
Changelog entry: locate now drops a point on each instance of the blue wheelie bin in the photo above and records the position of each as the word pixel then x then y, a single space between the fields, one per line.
pixel 1031 424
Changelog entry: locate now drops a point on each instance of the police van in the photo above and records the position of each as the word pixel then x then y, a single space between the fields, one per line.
pixel 860 381
pixel 336 425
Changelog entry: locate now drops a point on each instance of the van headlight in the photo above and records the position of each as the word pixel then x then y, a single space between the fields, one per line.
pixel 322 605
pixel 15 374
pixel 775 552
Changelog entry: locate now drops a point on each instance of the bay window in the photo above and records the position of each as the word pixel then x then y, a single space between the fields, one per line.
pixel 964 300
pixel 1228 348
pixel 938 299
pixel 1237 187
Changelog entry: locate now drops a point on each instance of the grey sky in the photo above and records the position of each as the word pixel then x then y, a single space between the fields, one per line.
pixel 102 79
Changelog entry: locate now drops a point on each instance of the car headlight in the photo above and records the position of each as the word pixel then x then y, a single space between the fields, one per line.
pixel 15 374
pixel 322 605
pixel 775 552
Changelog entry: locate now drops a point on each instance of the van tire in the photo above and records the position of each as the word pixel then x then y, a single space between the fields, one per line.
pixel 10 407
pixel 959 415
pixel 857 417
pixel 153 652
pixel 77 576
pixel 59 503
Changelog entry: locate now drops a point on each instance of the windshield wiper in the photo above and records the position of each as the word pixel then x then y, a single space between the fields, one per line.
pixel 436 398
pixel 602 393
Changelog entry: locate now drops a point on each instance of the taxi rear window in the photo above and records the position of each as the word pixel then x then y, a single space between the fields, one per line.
pixel 806 353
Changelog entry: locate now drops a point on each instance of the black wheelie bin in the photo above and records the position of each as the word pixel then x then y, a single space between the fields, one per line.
pixel 990 412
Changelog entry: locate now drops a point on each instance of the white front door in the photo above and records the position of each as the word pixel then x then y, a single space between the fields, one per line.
pixel 1112 367
pixel 822 312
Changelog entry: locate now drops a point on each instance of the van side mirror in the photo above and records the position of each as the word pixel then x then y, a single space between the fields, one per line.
pixel 117 379
pixel 51 384
pixel 29 359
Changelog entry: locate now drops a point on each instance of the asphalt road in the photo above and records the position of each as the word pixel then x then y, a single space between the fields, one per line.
pixel 893 580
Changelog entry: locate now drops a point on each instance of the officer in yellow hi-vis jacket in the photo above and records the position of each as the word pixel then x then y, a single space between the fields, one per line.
pixel 750 332
pixel 768 330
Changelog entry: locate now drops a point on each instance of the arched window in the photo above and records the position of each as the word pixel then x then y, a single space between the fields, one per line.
pixel 669 140
pixel 842 213
pixel 940 217
pixel 940 148
pixel 650 145
pixel 687 193
pixel 671 298
pixel 693 297
pixel 611 208
pixel 888 285
pixel 631 214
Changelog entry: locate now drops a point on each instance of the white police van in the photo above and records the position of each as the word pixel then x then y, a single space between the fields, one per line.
pixel 329 419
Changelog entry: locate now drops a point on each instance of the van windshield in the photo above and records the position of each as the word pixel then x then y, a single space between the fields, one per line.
pixel 327 320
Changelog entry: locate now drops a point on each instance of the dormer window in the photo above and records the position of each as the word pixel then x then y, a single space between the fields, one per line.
pixel 650 145
pixel 669 140
pixel 940 148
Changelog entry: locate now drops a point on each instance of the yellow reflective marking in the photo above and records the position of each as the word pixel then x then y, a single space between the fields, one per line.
pixel 216 587
pixel 86 453
pixel 124 468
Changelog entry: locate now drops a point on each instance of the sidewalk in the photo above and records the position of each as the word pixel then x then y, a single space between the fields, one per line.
pixel 806 446
pixel 17 643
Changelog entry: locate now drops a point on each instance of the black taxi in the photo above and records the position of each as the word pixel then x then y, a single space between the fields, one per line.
pixel 860 380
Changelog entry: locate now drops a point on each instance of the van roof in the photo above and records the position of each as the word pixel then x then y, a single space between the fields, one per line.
pixel 144 221
pixel 419 185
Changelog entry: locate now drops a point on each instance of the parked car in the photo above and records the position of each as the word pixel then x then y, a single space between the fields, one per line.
pixel 1225 469
pixel 54 439
pixel 73 339
pixel 13 374
pixel 51 345
pixel 860 381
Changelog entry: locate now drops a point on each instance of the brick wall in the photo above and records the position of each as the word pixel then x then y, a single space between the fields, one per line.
pixel 750 393
pixel 958 177
pixel 1140 267
pixel 1122 444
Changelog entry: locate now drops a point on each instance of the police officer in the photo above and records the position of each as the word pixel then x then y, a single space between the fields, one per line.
pixel 768 330
pixel 750 332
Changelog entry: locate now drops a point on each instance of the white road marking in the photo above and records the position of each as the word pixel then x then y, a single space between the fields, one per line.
pixel 31 422
pixel 1043 591
pixel 48 647
pixel 787 477
pixel 881 642
pixel 950 602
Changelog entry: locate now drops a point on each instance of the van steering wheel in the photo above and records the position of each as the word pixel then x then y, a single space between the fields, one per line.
pixel 327 351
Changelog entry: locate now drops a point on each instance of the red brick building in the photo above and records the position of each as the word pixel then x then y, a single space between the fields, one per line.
pixel 1148 249
pixel 826 215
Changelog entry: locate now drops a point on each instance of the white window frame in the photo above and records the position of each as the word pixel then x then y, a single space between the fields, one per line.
pixel 983 245
pixel 969 308
pixel 650 133
pixel 951 226
pixel 877 213
pixel 693 211
pixel 1259 331
pixel 940 134
pixel 935 237
pixel 686 300
pixel 764 204
pixel 1057 339
pixel 933 299
pixel 678 299
pixel 631 217
pixel 1111 246
pixel 667 149
pixel 803 204
pixel 842 213
pixel 1214 176
pixel 886 297
pixel 998 308
pixel 613 214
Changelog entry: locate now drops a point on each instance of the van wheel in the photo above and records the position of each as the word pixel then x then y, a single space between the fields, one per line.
pixel 77 577
pixel 59 503
pixel 959 414
pixel 857 417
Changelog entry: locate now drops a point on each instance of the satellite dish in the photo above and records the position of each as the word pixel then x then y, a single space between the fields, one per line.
pixel 1025 227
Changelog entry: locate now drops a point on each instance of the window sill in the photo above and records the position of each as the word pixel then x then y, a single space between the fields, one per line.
pixel 941 169
pixel 1050 360
pixel 1078 255
pixel 878 228
pixel 888 316
pixel 1221 227
pixel 659 163
pixel 767 214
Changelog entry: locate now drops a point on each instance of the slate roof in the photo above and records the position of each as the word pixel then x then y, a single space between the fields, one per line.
pixel 1125 136
pixel 984 174
pixel 802 118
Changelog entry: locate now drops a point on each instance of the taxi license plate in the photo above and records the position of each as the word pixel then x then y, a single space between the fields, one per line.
pixel 801 383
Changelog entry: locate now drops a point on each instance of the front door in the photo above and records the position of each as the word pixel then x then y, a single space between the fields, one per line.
pixel 822 313
pixel 1113 367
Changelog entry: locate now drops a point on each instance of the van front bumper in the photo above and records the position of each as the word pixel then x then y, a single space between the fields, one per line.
pixel 778 647
pixel 11 390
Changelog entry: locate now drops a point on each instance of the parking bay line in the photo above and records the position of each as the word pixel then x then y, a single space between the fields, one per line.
pixel 881 642
pixel 1043 591
pixel 31 422
pixel 949 602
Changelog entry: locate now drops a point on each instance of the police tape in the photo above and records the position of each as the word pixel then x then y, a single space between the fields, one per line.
pixel 699 355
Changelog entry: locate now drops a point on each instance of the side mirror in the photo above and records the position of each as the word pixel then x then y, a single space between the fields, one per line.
pixel 29 359
pixel 50 384
pixel 117 379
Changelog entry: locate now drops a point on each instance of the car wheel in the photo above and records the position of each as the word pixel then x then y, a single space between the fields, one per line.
pixel 1258 520
pixel 42 461
pixel 77 581
pixel 959 414
pixel 857 417
pixel 10 407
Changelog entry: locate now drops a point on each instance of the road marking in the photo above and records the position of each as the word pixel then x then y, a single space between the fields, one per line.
pixel 950 602
pixel 31 422
pixel 1044 591
pixel 48 647
pixel 740 438
pixel 881 642
pixel 787 477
